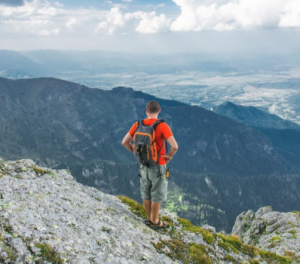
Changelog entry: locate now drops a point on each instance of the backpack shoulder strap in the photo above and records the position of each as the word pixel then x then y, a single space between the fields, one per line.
pixel 154 125
pixel 140 123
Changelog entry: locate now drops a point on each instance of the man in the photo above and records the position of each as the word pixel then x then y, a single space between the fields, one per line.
pixel 153 179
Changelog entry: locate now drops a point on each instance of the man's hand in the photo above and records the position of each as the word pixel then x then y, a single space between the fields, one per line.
pixel 174 147
pixel 126 143
pixel 167 158
pixel 132 148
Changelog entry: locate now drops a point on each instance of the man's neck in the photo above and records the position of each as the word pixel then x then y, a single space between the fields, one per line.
pixel 151 116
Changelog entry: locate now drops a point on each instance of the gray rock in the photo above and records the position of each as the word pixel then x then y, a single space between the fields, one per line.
pixel 209 228
pixel 269 230
pixel 48 208
pixel 19 246
pixel 3 255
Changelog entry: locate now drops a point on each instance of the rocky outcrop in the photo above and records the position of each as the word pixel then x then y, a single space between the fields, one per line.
pixel 270 230
pixel 47 217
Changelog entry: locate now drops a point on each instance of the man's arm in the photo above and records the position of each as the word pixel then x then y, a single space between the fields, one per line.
pixel 126 142
pixel 174 147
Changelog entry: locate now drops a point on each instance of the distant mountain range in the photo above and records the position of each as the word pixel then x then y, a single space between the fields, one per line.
pixel 253 117
pixel 218 172
pixel 284 134
pixel 62 120
pixel 42 63
pixel 16 66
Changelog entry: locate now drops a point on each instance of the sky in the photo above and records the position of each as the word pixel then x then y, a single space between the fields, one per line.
pixel 146 26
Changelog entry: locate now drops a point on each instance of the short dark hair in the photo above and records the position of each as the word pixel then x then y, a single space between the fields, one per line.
pixel 153 107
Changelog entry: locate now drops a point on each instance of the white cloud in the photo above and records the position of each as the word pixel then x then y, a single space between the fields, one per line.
pixel 48 33
pixel 151 23
pixel 58 4
pixel 291 15
pixel 128 1
pixel 41 18
pixel 142 22
pixel 44 18
pixel 197 15
pixel 72 21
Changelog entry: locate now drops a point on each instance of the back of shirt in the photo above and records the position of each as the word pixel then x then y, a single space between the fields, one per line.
pixel 162 132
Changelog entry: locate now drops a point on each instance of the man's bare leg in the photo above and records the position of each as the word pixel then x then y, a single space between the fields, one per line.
pixel 148 207
pixel 155 207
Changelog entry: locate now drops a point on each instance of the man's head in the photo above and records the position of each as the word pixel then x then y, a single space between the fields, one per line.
pixel 153 107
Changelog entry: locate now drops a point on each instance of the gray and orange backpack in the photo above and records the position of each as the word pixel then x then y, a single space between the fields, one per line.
pixel 144 139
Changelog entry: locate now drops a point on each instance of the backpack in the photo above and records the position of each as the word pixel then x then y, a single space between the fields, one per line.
pixel 145 149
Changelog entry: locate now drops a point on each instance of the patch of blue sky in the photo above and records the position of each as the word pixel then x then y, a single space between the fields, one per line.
pixel 167 7
pixel 101 3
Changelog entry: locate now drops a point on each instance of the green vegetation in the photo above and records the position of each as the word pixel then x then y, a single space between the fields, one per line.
pixel 174 202
pixel 2 168
pixel 186 253
pixel 274 241
pixel 247 223
pixel 296 212
pixel 136 208
pixel 193 253
pixel 168 220
pixel 5 205
pixel 175 248
pixel 233 241
pixel 188 226
pixel 97 198
pixel 273 258
pixel 230 258
pixel 49 254
pixel 198 254
pixel 10 252
pixel 251 251
pixel 40 171
pixel 7 228
pixel 106 229
pixel 254 261
pixel 293 232
pixel 290 255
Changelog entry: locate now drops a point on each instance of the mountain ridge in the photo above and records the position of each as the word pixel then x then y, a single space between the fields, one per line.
pixel 56 99
pixel 61 124
pixel 284 134
pixel 48 217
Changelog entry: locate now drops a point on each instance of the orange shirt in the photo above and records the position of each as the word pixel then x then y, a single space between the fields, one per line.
pixel 162 132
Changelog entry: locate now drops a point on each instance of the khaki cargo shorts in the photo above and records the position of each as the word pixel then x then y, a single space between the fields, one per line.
pixel 154 184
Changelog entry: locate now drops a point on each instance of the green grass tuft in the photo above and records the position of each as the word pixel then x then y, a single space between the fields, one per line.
pixel 188 226
pixel 254 261
pixel 296 212
pixel 49 254
pixel 291 256
pixel 272 258
pixel 251 251
pixel 176 249
pixel 230 258
pixel 198 254
pixel 137 208
pixel 40 171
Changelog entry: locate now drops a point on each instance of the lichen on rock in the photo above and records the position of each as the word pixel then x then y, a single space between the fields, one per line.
pixel 48 217
pixel 271 231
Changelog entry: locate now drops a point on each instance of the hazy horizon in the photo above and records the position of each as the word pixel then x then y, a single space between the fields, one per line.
pixel 144 26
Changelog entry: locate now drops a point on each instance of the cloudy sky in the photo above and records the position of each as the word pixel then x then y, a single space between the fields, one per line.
pixel 151 25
